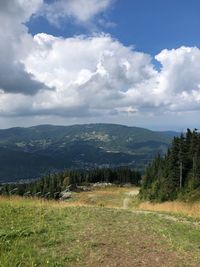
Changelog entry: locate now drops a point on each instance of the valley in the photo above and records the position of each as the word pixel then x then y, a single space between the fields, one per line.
pixel 29 153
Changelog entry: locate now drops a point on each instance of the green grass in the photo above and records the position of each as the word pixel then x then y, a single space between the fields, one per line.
pixel 35 233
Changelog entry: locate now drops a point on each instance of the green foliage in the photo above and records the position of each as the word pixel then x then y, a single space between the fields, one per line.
pixel 50 186
pixel 177 174
pixel 29 153
pixel 36 233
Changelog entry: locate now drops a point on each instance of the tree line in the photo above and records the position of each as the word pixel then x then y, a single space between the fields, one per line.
pixel 177 174
pixel 50 186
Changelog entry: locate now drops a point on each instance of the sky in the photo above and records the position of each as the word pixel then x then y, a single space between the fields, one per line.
pixel 132 62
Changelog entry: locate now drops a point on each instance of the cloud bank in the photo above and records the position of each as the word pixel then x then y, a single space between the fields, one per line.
pixel 92 76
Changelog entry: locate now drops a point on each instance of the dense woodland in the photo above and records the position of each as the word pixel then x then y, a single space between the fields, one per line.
pixel 177 175
pixel 52 185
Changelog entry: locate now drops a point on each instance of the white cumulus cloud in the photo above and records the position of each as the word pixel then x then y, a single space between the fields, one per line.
pixel 94 73
pixel 82 11
pixel 179 78
pixel 92 76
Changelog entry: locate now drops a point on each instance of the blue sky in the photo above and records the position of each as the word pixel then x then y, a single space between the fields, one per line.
pixel 149 25
pixel 134 62
pixel 157 24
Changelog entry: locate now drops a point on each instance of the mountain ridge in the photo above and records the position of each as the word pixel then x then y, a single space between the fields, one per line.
pixel 50 148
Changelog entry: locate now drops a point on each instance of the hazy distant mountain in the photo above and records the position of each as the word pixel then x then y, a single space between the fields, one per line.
pixel 30 152
pixel 170 133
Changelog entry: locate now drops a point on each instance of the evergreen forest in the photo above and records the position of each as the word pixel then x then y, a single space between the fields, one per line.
pixel 50 186
pixel 177 174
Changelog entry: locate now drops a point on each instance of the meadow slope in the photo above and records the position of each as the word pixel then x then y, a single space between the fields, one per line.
pixel 95 229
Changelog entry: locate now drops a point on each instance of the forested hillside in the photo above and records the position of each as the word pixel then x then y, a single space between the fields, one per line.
pixel 27 153
pixel 177 174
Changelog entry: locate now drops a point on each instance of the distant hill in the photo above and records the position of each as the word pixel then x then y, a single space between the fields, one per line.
pixel 170 133
pixel 27 153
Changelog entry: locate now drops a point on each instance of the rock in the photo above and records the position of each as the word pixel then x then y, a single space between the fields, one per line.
pixel 13 191
pixel 128 185
pixel 27 194
pixel 47 195
pixel 65 195
pixel 38 194
pixel 84 188
pixel 71 187
pixel 103 185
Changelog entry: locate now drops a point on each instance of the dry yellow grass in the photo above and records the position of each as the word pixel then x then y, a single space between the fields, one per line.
pixel 113 197
pixel 20 201
pixel 191 209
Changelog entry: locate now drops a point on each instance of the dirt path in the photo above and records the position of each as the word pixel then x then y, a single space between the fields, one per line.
pixel 96 235
pixel 96 198
pixel 128 198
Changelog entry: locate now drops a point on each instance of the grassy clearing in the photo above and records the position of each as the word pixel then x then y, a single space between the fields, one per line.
pixel 48 233
pixel 117 197
pixel 111 197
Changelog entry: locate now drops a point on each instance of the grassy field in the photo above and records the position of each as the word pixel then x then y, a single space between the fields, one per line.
pixel 97 228
pixel 192 209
